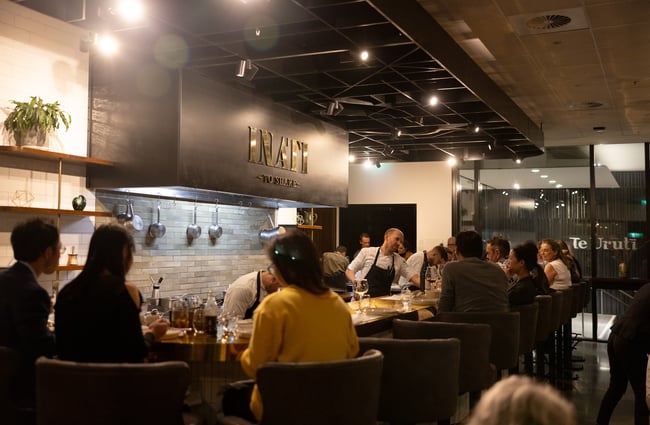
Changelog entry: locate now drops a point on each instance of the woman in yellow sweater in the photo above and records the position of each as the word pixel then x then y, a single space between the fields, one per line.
pixel 305 322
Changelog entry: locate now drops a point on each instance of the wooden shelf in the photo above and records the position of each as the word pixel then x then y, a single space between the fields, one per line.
pixel 310 227
pixel 43 154
pixel 69 268
pixel 54 211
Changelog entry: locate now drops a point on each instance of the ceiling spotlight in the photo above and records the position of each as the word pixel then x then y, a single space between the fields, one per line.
pixel 377 163
pixel 518 160
pixel 364 55
pixel 399 133
pixel 351 158
pixel 130 10
pixel 334 108
pixel 451 161
pixel 476 129
pixel 367 163
pixel 433 100
pixel 106 44
pixel 247 69
pixel 535 170
pixel 516 186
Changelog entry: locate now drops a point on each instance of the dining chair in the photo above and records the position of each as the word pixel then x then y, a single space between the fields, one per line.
pixel 475 371
pixel 319 393
pixel 528 315
pixel 541 334
pixel 504 348
pixel 9 366
pixel 557 300
pixel 563 339
pixel 72 393
pixel 428 369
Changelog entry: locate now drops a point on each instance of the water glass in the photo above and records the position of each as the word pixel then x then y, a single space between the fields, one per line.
pixel 228 322
pixel 198 321
pixel 364 303
pixel 360 289
pixel 406 296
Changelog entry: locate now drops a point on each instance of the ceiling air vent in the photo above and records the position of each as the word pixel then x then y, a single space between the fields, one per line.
pixel 548 22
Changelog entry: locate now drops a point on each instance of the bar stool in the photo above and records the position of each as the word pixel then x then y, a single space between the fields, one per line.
pixel 563 337
pixel 528 317
pixel 475 373
pixel 504 349
pixel 549 345
pixel 541 334
pixel 428 368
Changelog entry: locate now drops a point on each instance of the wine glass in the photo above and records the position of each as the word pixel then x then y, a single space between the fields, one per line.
pixel 360 289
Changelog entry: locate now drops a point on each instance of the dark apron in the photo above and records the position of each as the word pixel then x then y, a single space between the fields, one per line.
pixel 251 309
pixel 379 280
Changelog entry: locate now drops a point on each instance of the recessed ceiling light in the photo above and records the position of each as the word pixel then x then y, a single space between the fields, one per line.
pixel 552 181
pixel 433 100
pixel 364 55
pixel 515 186
pixel 535 170
pixel 543 176
pixel 351 158
pixel 558 186
pixel 451 161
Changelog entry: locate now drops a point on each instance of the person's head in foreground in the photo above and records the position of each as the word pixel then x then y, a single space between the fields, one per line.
pixel 519 400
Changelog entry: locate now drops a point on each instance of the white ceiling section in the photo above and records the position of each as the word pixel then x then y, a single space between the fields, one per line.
pixel 568 177
pixel 570 65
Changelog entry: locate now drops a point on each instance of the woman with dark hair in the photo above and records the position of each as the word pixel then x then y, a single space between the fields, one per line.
pixel 405 250
pixel 97 314
pixel 439 256
pixel 556 265
pixel 304 322
pixel 522 261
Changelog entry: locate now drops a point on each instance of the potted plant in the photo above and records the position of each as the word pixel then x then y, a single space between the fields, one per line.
pixel 30 122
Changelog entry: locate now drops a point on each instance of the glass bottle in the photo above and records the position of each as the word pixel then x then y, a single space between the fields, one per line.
pixel 210 314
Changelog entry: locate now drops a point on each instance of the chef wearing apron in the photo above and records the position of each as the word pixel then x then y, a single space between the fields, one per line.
pixel 381 265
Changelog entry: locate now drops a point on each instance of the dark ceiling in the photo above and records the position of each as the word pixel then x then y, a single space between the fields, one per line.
pixel 306 53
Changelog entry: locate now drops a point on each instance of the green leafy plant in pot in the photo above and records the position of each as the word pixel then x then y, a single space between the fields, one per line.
pixel 30 122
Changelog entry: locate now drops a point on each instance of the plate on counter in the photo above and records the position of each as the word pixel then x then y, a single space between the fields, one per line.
pixel 174 333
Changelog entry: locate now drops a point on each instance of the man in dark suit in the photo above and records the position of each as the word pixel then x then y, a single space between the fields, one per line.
pixel 24 304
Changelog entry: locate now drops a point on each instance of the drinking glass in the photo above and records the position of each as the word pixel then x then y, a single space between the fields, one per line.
pixel 198 321
pixel 364 303
pixel 360 289
pixel 228 322
pixel 406 296
pixel 180 317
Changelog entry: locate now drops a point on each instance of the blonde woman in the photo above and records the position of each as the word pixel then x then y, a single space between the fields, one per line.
pixel 518 400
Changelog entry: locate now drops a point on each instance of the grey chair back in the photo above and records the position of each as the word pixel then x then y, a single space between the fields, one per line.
pixel 556 309
pixel 504 348
pixel 528 315
pixel 427 369
pixel 543 317
pixel 9 367
pixel 321 393
pixel 567 305
pixel 579 292
pixel 71 393
pixel 475 373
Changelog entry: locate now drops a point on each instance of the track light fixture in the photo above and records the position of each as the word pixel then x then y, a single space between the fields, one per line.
pixel 247 69
pixel 334 108
pixel 377 163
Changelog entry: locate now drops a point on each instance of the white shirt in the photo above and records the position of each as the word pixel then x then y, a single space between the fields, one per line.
pixel 563 276
pixel 240 295
pixel 366 257
pixel 415 263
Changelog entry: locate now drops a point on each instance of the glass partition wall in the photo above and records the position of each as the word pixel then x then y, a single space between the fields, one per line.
pixel 593 198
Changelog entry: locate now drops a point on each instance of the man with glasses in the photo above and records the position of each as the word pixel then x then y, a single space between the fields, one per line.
pixel 25 305
pixel 247 292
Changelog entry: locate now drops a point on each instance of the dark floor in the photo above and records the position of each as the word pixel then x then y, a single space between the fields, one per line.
pixel 591 384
